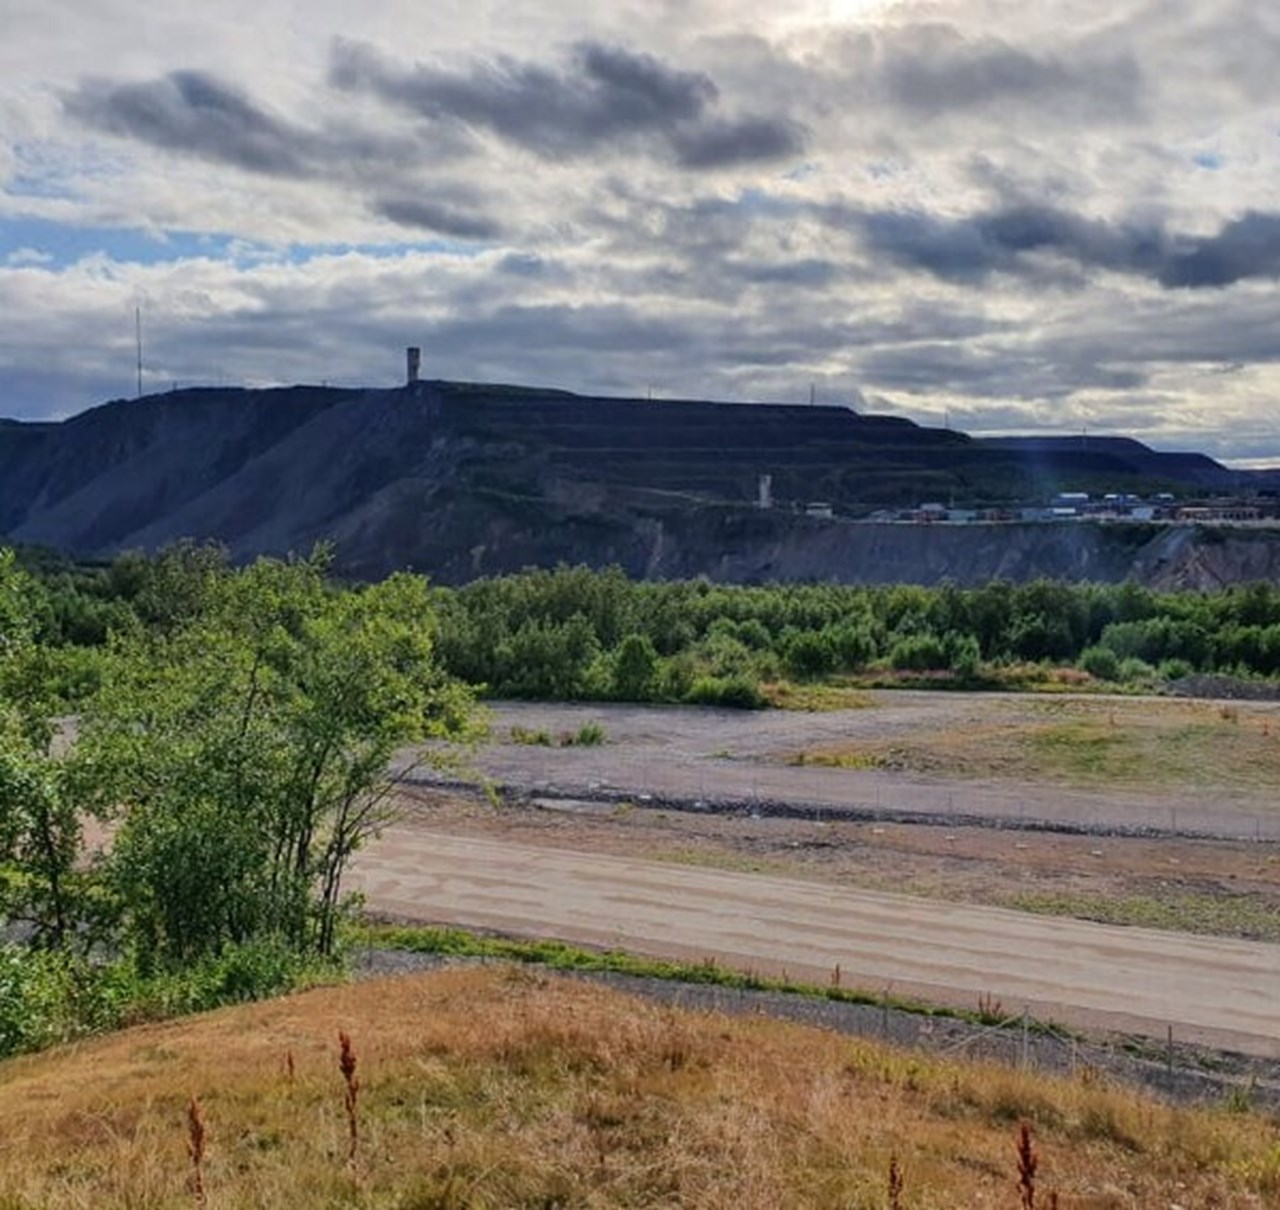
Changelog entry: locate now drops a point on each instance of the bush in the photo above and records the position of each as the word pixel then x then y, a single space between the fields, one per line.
pixel 919 653
pixel 252 970
pixel 964 656
pixel 676 677
pixel 736 692
pixel 540 738
pixel 754 634
pixel 810 654
pixel 1100 662
pixel 854 645
pixel 635 669
pixel 35 996
pixel 1134 669
pixel 51 996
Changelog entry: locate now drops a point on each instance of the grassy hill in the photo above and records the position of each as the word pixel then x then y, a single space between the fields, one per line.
pixel 502 1088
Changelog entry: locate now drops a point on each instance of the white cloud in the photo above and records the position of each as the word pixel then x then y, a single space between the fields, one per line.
pixel 694 248
pixel 27 256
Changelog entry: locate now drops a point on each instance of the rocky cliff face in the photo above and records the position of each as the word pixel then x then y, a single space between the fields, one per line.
pixel 466 481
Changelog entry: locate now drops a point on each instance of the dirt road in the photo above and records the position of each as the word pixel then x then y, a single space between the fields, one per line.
pixel 1212 991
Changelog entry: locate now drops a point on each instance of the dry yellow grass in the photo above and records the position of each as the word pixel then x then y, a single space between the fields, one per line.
pixel 500 1088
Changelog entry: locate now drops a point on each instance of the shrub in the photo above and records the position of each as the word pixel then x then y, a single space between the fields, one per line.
pixel 736 692
pixel 919 653
pixel 524 735
pixel 854 645
pixel 963 656
pixel 810 654
pixel 1134 669
pixel 589 735
pixel 1100 662
pixel 635 669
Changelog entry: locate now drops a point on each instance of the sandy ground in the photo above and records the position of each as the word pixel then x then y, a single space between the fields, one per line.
pixel 979 865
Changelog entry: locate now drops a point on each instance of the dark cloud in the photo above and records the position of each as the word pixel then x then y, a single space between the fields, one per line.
pixel 990 373
pixel 199 115
pixel 600 96
pixel 531 266
pixel 969 249
pixel 1245 248
pixel 195 113
pixel 604 94
pixel 937 71
pixel 455 221
pixel 723 143
pixel 806 273
pixel 934 68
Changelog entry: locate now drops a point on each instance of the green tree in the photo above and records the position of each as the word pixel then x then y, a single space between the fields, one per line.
pixel 40 807
pixel 246 746
pixel 635 669
pixel 811 654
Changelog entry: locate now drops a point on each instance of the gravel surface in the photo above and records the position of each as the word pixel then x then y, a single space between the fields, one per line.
pixel 736 761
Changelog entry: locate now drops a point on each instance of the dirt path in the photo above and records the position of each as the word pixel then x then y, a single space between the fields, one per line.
pixel 1225 888
pixel 1213 991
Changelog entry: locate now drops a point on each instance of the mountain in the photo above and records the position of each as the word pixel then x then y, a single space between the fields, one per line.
pixel 466 479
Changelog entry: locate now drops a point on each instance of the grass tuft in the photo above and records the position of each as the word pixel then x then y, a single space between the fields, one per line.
pixel 350 1095
pixel 195 1149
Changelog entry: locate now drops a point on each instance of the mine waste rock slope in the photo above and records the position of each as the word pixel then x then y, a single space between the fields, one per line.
pixel 465 480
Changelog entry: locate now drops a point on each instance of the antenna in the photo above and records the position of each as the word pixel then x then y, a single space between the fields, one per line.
pixel 137 327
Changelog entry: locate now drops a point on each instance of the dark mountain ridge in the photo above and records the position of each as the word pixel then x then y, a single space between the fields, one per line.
pixel 467 479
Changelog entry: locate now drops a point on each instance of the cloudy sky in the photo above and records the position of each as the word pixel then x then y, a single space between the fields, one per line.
pixel 1013 216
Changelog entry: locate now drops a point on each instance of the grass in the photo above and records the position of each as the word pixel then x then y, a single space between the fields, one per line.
pixel 561 956
pixel 787 695
pixel 1085 743
pixel 1219 915
pixel 502 1088
pixel 589 735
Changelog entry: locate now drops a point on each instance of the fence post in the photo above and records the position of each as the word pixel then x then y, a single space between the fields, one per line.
pixel 1026 1037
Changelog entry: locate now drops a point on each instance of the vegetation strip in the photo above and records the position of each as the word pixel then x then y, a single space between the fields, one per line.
pixel 559 955
pixel 581 634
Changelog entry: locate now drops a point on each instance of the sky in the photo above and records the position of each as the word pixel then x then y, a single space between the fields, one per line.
pixel 1009 217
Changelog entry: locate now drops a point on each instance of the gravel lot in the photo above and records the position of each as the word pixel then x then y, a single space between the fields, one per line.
pixel 705 759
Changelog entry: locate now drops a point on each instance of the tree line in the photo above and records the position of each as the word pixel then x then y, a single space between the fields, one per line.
pixel 572 632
